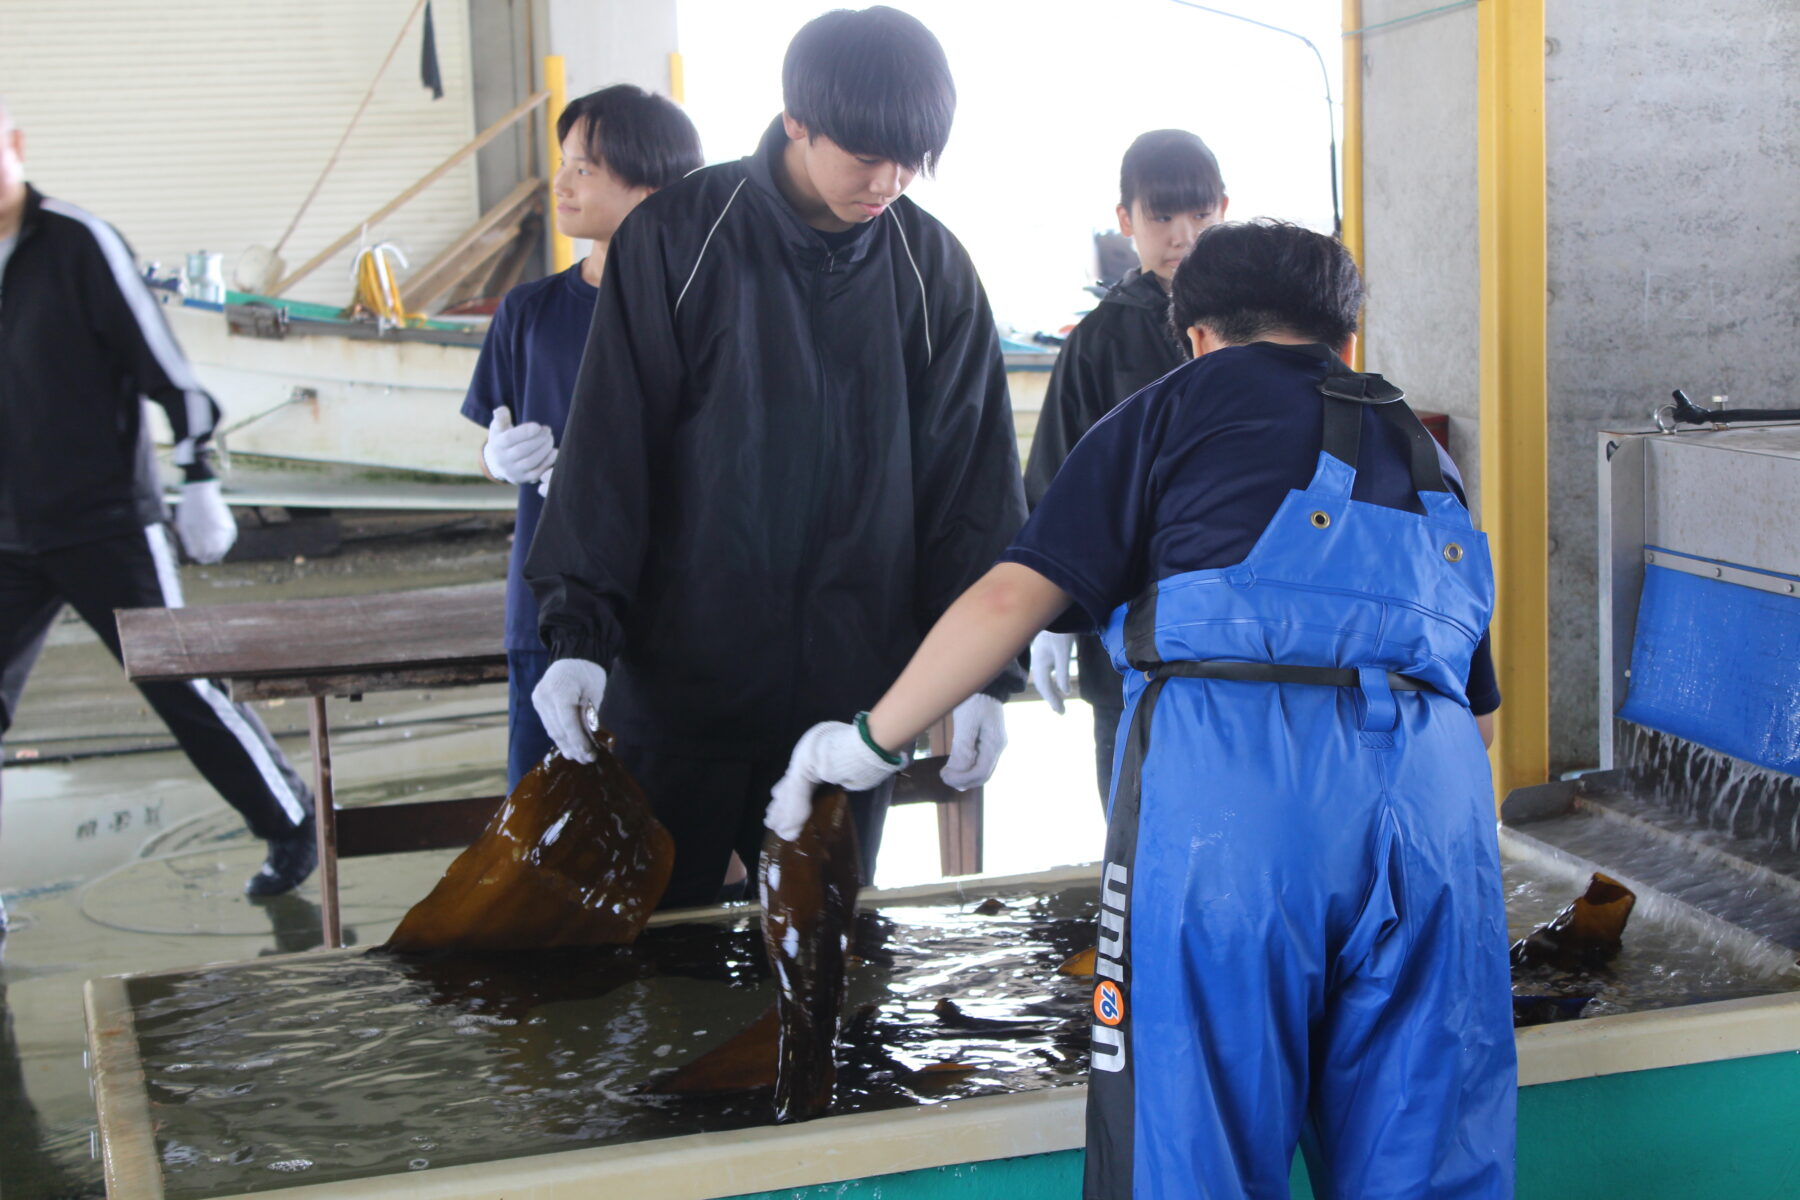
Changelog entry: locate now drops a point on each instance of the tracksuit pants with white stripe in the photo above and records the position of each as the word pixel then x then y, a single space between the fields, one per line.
pixel 226 742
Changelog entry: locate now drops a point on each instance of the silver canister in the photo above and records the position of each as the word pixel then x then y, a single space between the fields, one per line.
pixel 204 279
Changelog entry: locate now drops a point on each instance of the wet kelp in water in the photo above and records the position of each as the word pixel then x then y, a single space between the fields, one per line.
pixel 324 1067
pixel 1561 955
pixel 572 858
pixel 575 858
pixel 1588 933
pixel 808 889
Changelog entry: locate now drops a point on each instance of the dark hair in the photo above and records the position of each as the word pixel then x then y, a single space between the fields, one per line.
pixel 642 138
pixel 1171 171
pixel 876 82
pixel 1246 279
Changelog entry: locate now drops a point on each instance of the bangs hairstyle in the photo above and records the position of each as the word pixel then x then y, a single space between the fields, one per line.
pixel 643 139
pixel 1171 171
pixel 875 82
pixel 1247 279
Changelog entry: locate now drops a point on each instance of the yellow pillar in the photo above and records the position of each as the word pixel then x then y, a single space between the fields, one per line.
pixel 556 82
pixel 1514 505
pixel 1352 149
pixel 677 78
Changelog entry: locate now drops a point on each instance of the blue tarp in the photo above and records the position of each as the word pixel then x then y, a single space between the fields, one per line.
pixel 1718 663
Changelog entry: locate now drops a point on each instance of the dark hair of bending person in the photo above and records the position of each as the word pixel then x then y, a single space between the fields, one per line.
pixel 1246 280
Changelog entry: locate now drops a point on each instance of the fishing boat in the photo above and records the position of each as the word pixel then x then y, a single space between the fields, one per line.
pixel 326 411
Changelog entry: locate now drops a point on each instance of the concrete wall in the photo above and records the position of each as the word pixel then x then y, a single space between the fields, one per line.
pixel 1674 244
pixel 1674 255
pixel 1421 260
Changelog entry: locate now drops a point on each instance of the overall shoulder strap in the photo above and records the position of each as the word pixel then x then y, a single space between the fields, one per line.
pixel 1347 394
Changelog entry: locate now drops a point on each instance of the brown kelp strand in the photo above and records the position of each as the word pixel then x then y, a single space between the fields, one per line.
pixel 808 889
pixel 572 858
pixel 1587 934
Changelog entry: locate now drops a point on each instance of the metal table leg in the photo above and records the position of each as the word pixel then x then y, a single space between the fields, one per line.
pixel 325 820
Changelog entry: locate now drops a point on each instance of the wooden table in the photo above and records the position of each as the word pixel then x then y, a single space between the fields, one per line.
pixel 338 646
pixel 435 637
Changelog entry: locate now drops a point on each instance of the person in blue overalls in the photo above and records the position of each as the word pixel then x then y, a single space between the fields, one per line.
pixel 1302 931
pixel 619 145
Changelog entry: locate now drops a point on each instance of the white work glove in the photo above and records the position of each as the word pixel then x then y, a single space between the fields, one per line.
pixel 544 483
pixel 204 522
pixel 977 736
pixel 1050 667
pixel 829 752
pixel 563 697
pixel 517 453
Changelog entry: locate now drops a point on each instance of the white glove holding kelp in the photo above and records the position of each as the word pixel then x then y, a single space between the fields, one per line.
pixel 1050 667
pixel 517 453
pixel 563 697
pixel 203 521
pixel 833 752
pixel 977 736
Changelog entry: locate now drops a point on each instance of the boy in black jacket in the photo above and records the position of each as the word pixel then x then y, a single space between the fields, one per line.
pixel 1170 191
pixel 789 448
pixel 82 342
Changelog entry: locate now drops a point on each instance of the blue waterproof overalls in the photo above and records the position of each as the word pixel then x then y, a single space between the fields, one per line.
pixel 1303 932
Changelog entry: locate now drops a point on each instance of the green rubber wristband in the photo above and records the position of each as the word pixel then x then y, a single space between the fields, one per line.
pixel 862 727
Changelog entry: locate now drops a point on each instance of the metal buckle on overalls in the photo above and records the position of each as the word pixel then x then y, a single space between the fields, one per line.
pixel 1380 712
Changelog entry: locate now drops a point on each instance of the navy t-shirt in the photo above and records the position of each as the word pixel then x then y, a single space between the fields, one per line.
pixel 1185 475
pixel 528 363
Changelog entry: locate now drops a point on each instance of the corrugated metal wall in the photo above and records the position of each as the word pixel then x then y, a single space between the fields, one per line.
pixel 201 124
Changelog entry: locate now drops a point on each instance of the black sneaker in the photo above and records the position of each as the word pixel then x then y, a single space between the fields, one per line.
pixel 292 857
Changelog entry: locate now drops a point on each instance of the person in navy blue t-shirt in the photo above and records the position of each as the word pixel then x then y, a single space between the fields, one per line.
pixel 619 144
pixel 1302 923
pixel 1170 191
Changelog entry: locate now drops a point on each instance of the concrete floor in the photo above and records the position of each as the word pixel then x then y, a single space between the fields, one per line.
pixel 116 858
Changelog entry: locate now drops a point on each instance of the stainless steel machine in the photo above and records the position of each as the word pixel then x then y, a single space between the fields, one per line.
pixel 1697 802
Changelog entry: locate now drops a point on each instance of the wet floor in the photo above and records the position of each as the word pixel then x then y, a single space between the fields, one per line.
pixel 115 858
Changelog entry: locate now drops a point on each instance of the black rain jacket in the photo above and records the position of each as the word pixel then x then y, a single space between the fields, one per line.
pixel 1124 345
pixel 82 341
pixel 783 462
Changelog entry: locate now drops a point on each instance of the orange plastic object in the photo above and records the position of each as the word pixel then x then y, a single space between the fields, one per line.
pixel 1082 962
